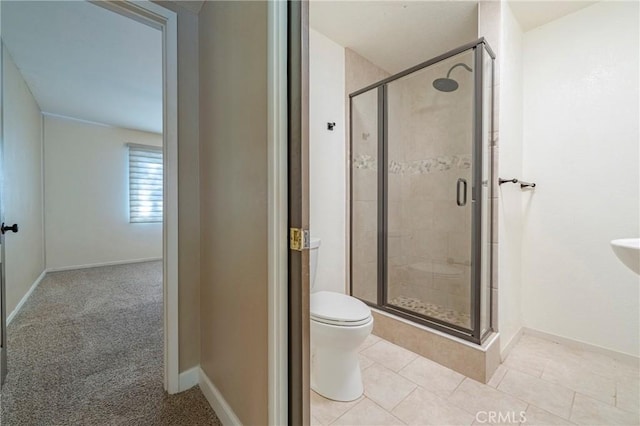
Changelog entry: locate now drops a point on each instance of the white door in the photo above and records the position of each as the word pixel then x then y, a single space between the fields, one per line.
pixel 3 303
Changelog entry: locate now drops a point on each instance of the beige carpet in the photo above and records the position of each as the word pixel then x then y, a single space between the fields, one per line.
pixel 86 349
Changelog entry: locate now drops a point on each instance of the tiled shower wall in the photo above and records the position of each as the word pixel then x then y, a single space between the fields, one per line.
pixel 361 73
pixel 430 135
pixel 490 27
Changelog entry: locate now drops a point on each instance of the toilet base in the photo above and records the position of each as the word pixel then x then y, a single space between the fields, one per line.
pixel 336 376
pixel 335 367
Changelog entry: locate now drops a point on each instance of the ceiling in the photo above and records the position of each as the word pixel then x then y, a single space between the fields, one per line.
pixel 532 14
pixel 85 62
pixel 396 34
pixel 193 6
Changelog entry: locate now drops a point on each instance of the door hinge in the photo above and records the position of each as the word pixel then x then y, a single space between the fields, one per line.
pixel 298 239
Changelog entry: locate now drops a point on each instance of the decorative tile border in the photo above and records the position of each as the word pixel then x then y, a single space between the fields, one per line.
pixel 365 162
pixel 429 165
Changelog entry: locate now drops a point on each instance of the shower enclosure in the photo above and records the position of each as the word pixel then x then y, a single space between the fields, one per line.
pixel 421 190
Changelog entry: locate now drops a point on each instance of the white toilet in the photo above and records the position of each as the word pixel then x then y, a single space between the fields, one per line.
pixel 339 325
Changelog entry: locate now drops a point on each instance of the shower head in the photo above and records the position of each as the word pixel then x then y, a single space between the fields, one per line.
pixel 445 84
pixel 448 84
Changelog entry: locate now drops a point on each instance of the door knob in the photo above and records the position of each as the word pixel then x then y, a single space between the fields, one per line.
pixel 12 228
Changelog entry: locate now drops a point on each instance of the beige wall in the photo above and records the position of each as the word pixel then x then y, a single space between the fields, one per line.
pixel 188 183
pixel 233 183
pixel 23 199
pixel 360 72
pixel 87 196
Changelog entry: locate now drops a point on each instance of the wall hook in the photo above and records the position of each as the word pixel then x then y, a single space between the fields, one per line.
pixel 331 125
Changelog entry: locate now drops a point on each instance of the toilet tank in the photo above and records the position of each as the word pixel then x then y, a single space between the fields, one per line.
pixel 314 247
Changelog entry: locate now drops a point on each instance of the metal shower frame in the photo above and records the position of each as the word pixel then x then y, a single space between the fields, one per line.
pixel 474 332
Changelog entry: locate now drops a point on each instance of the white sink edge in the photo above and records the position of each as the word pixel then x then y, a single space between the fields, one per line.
pixel 633 243
pixel 628 252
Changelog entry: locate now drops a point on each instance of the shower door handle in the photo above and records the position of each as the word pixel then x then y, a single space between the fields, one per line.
pixel 461 192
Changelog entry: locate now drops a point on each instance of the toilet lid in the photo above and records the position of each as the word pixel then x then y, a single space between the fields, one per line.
pixel 332 308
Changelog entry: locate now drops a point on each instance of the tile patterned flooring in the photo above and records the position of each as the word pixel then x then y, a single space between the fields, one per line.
pixel 540 383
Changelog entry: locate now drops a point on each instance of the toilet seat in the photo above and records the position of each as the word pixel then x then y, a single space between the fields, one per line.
pixel 338 309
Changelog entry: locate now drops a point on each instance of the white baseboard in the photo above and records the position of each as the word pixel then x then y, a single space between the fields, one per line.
pixel 577 344
pixel 216 400
pixel 25 297
pixel 96 265
pixel 189 378
pixel 511 344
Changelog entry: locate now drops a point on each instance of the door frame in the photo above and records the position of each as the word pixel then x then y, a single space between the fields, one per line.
pixel 277 182
pixel 165 20
pixel 288 192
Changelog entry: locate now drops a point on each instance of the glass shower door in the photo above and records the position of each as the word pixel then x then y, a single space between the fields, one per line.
pixel 429 156
pixel 422 192
pixel 364 195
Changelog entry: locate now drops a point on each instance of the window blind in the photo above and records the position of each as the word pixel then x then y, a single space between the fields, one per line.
pixel 145 183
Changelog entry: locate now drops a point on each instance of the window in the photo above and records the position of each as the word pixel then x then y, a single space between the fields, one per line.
pixel 145 184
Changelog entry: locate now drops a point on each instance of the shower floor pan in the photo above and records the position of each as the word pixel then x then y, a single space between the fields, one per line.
pixel 431 309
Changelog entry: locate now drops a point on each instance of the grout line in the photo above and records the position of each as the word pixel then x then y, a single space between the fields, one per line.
pixel 400 376
pixel 544 368
pixel 410 361
pixel 573 401
pixel 576 350
pixel 368 366
pixel 362 398
pixel 335 402
pixel 447 398
pixel 456 388
pixel 401 401
pixel 502 392
pixel 511 395
pixel 370 346
pixel 501 378
pixel 517 370
pixel 396 417
pixel 408 378
pixel 575 390
pixel 601 376
pixel 525 416
pixel 549 413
